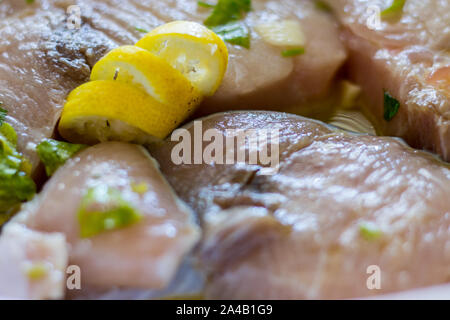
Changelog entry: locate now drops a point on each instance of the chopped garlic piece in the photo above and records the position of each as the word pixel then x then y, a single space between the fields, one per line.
pixel 37 271
pixel 282 33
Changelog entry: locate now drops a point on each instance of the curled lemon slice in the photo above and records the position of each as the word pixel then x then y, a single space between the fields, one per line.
pixel 142 93
pixel 106 110
pixel 138 67
pixel 191 48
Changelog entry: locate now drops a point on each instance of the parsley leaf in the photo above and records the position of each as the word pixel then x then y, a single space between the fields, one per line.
pixel 391 106
pixel 55 153
pixel 293 52
pixel 235 33
pixel 104 208
pixel 15 184
pixel 15 189
pixel 3 113
pixel 224 21
pixel 141 30
pixel 226 11
pixel 394 10
pixel 370 231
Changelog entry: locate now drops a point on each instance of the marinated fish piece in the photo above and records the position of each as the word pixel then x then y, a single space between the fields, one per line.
pixel 123 224
pixel 41 62
pixel 42 59
pixel 256 78
pixel 340 205
pixel 262 78
pixel 32 264
pixel 17 8
pixel 187 284
pixel 408 57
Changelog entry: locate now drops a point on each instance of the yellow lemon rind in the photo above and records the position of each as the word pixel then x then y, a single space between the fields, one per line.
pixel 109 103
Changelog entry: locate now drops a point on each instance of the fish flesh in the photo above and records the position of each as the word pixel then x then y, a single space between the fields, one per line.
pixel 40 63
pixel 340 205
pixel 42 59
pixel 145 254
pixel 408 57
pixel 32 264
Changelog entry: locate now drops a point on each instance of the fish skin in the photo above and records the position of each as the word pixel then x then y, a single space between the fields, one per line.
pixel 296 234
pixel 41 60
pixel 40 63
pixel 410 59
pixel 144 255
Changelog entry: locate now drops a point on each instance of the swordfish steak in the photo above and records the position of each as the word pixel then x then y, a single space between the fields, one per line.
pixel 42 60
pixel 340 206
pixel 410 58
pixel 145 254
pixel 40 63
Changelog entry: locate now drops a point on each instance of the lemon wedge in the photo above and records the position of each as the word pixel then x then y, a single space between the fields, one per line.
pixel 142 93
pixel 138 67
pixel 108 110
pixel 191 48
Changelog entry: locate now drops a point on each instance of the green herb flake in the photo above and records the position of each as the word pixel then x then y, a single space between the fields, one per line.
pixel 103 209
pixel 394 10
pixel 391 106
pixel 8 141
pixel 29 1
pixel 3 114
pixel 293 52
pixel 370 232
pixel 224 21
pixel 205 4
pixel 323 6
pixel 15 189
pixel 226 11
pixel 54 153
pixel 235 33
pixel 15 184
pixel 141 30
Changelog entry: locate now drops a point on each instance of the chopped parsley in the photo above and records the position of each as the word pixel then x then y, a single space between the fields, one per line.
pixel 226 11
pixel 235 33
pixel 293 52
pixel 29 1
pixel 391 106
pixel 54 153
pixel 394 10
pixel 3 114
pixel 16 186
pixel 103 209
pixel 369 231
pixel 224 21
pixel 142 30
